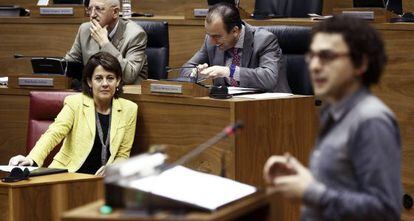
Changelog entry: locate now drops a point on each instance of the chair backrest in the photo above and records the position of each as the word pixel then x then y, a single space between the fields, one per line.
pixel 287 8
pixel 157 48
pixel 43 109
pixel 294 42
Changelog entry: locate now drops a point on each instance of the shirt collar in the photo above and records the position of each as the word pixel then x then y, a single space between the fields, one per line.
pixel 239 43
pixel 111 35
pixel 339 109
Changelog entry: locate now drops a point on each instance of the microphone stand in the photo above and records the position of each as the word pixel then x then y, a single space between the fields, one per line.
pixel 226 132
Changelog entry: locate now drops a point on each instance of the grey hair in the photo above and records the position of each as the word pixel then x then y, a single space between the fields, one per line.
pixel 114 2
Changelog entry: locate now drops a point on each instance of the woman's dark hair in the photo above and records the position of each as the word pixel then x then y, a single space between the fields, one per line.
pixel 228 13
pixel 109 63
pixel 362 40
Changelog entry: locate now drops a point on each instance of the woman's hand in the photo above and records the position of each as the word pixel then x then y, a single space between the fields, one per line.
pixel 20 160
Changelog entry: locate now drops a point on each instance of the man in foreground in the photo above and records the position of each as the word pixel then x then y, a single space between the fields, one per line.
pixel 354 171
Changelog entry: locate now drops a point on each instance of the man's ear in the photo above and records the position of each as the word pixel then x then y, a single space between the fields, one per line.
pixel 116 13
pixel 236 29
pixel 363 67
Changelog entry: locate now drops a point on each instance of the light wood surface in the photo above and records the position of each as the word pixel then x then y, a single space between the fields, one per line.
pixel 255 207
pixel 185 89
pixel 329 5
pixel 45 198
pixel 157 7
pixel 408 5
pixel 59 82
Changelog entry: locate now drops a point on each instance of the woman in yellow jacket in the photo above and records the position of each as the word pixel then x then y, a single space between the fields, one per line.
pixel 97 126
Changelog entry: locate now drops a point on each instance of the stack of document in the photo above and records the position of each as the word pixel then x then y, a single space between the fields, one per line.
pixel 192 187
pixel 4 80
pixel 242 90
pixel 6 168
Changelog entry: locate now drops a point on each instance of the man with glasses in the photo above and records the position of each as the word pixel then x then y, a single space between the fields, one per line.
pixel 354 171
pixel 237 54
pixel 107 32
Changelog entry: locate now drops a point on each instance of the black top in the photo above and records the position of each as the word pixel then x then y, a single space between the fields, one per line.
pixel 93 162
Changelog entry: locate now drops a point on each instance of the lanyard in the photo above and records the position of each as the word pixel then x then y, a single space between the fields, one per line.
pixel 100 134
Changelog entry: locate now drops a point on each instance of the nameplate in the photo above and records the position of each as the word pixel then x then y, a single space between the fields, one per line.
pixel 366 15
pixel 166 88
pixel 56 11
pixel 42 82
pixel 200 12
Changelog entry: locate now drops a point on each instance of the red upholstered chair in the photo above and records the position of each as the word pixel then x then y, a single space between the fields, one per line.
pixel 44 107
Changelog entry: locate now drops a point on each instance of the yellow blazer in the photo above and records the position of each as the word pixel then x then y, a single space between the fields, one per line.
pixel 76 124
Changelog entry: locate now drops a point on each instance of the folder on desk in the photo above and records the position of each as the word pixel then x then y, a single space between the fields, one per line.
pixel 178 188
pixel 46 171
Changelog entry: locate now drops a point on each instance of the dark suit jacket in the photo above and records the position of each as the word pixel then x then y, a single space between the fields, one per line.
pixel 128 45
pixel 262 64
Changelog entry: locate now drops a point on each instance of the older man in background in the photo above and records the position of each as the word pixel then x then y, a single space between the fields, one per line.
pixel 107 32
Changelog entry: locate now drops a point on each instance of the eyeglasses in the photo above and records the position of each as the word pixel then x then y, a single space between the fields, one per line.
pixel 325 56
pixel 98 9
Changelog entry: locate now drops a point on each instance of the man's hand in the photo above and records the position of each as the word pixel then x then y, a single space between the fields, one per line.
pixel 215 72
pixel 20 160
pixel 198 69
pixel 277 166
pixel 294 185
pixel 98 33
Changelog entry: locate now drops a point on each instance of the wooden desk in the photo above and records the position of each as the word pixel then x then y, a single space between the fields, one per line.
pixel 257 207
pixel 44 198
pixel 271 126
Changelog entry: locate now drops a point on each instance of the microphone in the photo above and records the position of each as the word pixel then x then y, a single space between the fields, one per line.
pixel 170 69
pixel 19 56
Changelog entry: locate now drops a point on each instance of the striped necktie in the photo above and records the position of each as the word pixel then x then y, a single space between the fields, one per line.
pixel 235 61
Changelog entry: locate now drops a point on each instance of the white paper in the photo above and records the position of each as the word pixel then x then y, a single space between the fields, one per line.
pixel 42 2
pixel 186 185
pixel 9 168
pixel 319 17
pixel 265 95
pixel 4 80
pixel 241 90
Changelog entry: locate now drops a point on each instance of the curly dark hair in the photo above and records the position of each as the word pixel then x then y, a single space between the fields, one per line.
pixel 228 13
pixel 109 63
pixel 362 40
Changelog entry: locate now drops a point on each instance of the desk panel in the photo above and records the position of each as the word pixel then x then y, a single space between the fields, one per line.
pixel 44 198
pixel 14 116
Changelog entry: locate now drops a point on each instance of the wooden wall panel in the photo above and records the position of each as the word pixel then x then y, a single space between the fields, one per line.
pixel 157 7
pixel 185 41
pixel 45 198
pixel 179 126
pixel 14 117
pixel 396 90
pixel 33 39
pixel 408 5
pixel 328 5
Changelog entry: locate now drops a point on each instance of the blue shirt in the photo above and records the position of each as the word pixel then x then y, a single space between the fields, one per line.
pixel 356 163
